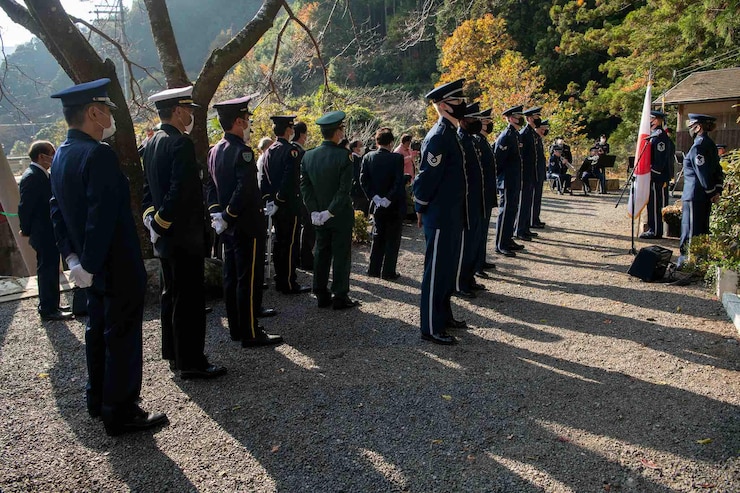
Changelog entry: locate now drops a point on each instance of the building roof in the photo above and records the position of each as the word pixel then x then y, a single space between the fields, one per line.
pixel 711 85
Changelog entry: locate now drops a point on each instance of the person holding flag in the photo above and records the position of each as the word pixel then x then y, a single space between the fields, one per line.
pixel 661 156
pixel 640 191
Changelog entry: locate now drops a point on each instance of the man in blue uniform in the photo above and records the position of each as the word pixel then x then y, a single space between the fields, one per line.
pixel 528 138
pixel 235 206
pixel 439 194
pixel 35 223
pixel 280 188
pixel 703 182
pixel 471 235
pixel 326 182
pixel 96 234
pixel 308 233
pixel 662 154
pixel 542 129
pixel 381 177
pixel 174 215
pixel 507 152
pixel 490 197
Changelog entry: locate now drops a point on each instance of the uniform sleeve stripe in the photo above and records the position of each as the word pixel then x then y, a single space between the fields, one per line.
pixel 418 201
pixel 149 210
pixel 228 211
pixel 162 223
pixel 214 206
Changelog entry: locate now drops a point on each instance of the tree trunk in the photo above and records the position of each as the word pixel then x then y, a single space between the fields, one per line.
pixel 164 40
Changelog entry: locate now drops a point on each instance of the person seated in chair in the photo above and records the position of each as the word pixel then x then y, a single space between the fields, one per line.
pixel 557 170
pixel 590 170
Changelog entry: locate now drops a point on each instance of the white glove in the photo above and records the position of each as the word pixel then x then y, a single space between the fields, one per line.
pixel 377 201
pixel 324 216
pixel 218 223
pixel 153 235
pixel 270 208
pixel 315 219
pixel 384 202
pixel 79 276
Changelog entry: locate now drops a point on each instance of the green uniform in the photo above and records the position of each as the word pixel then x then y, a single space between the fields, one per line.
pixel 326 182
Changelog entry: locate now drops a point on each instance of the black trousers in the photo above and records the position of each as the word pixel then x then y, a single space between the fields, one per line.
pixel 113 346
pixel 524 214
pixel 537 205
pixel 308 240
pixel 285 252
pixel 386 243
pixel 47 276
pixel 655 208
pixel 183 310
pixel 243 272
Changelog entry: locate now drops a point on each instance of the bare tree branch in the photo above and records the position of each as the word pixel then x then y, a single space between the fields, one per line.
pixel 21 16
pixel 295 19
pixel 415 30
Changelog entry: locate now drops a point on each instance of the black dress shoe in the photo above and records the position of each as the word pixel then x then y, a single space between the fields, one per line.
pixel 343 303
pixel 262 339
pixel 297 289
pixel 57 315
pixel 488 265
pixel 533 234
pixel 324 301
pixel 505 252
pixel 266 312
pixel 209 309
pixel 65 308
pixel 456 324
pixel 391 277
pixel 373 274
pixel 539 225
pixel 466 294
pixel 482 274
pixel 476 286
pixel 514 246
pixel 524 237
pixel 210 371
pixel 141 420
pixel 172 365
pixel 265 285
pixel 648 235
pixel 443 338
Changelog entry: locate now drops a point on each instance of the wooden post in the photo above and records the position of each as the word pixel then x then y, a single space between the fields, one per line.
pixel 9 198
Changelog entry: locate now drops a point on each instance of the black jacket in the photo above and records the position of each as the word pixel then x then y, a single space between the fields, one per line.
pixel 382 175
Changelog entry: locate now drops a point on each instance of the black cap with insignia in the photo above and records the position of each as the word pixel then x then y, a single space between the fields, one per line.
pixel 234 107
pixel 532 111
pixel 544 123
pixel 95 91
pixel 286 120
pixel 452 89
pixel 514 110
pixel 657 114
pixel 169 98
pixel 695 118
pixel 472 110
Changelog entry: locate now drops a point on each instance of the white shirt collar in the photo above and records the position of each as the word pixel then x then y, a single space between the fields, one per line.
pixel 46 172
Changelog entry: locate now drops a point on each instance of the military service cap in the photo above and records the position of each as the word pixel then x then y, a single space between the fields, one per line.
pixel 557 147
pixel 544 123
pixel 472 110
pixel 179 96
pixel 721 146
pixel 95 91
pixel 283 119
pixel 514 110
pixel 452 89
pixel 485 114
pixel 658 114
pixel 331 119
pixel 238 107
pixel 695 118
pixel 532 111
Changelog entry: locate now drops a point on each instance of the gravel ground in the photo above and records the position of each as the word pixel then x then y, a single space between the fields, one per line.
pixel 572 377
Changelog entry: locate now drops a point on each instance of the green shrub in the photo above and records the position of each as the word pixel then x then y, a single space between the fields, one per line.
pixel 360 233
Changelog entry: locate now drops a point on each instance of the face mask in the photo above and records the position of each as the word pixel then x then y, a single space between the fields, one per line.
pixel 521 121
pixel 474 127
pixel 693 132
pixel 109 131
pixel 458 110
pixel 489 127
pixel 546 131
pixel 189 126
pixel 537 122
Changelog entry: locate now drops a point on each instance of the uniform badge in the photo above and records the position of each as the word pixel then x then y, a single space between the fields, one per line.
pixel 699 160
pixel 294 153
pixel 661 146
pixel 434 160
pixel 247 156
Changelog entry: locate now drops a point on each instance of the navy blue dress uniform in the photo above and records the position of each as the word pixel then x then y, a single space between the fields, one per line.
pixel 507 152
pixel 541 175
pixel 233 195
pixel 173 201
pixel 326 182
pixel 528 138
pixel 439 196
pixel 382 175
pixel 471 235
pixel 281 185
pixel 490 192
pixel 703 181
pixel 35 222
pixel 91 213
pixel 558 170
pixel 662 155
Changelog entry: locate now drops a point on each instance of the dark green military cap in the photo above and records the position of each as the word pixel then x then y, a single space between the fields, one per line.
pixel 331 120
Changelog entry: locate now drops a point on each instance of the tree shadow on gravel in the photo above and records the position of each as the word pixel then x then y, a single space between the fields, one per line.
pixel 130 456
pixel 657 298
pixel 344 408
pixel 7 313
pixel 696 346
